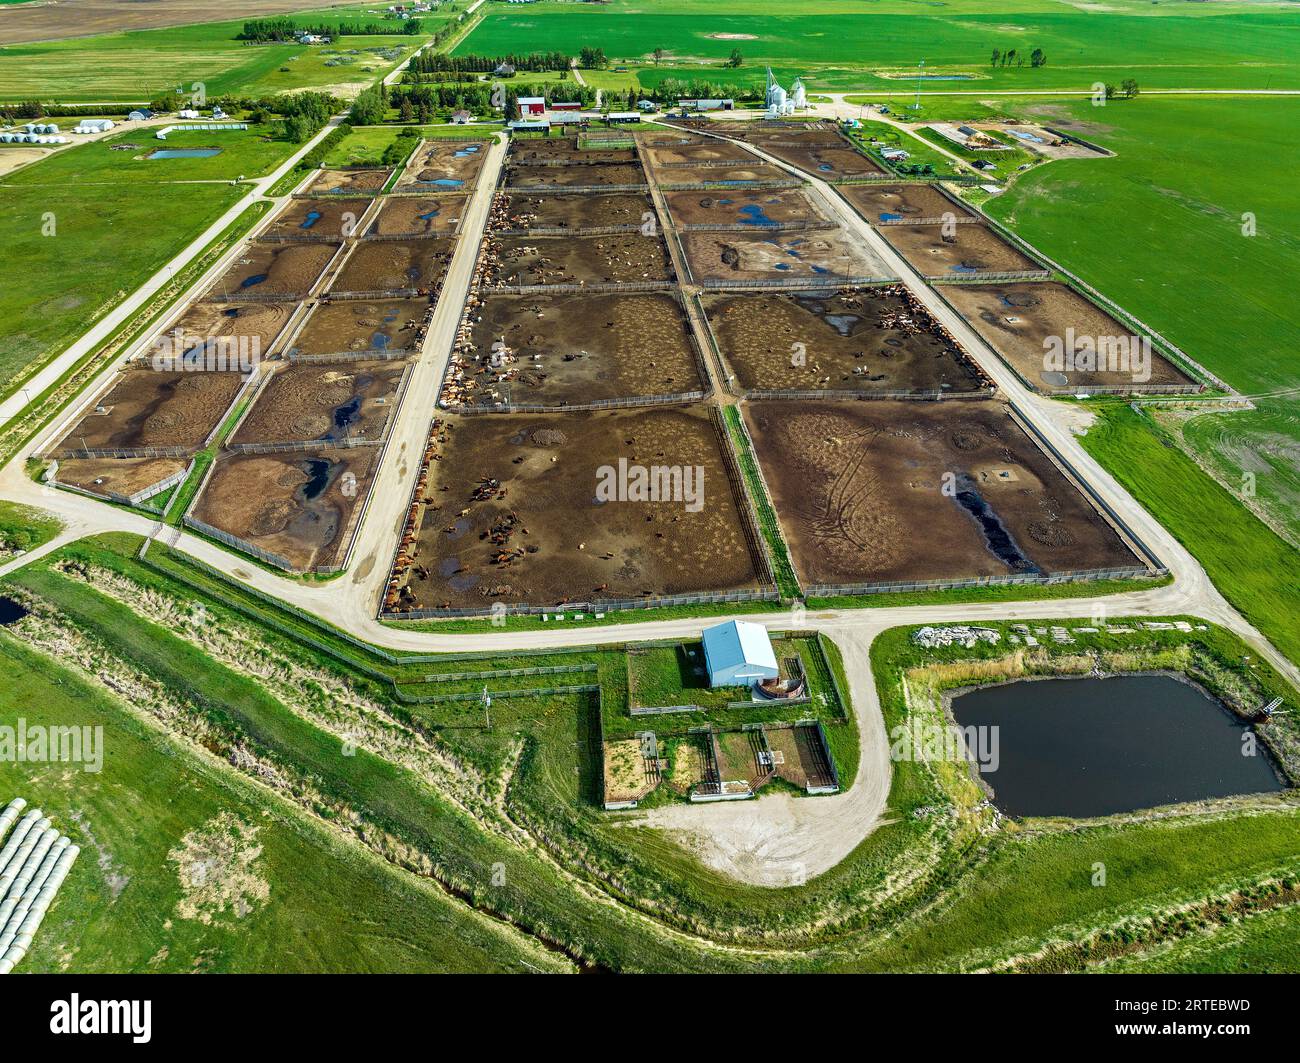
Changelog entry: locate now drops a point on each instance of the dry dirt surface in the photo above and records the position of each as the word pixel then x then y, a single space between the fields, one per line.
pixel 301 506
pixel 12 158
pixel 275 269
pixel 1019 320
pixel 673 153
pixel 968 250
pixel 444 166
pixel 886 491
pixel 312 403
pixel 524 210
pixel 810 134
pixel 349 182
pixel 122 476
pixel 759 208
pixel 51 20
pixel 261 323
pixel 867 340
pixel 882 203
pixel 822 253
pixel 563 349
pixel 532 152
pixel 578 260
pixel 146 408
pixel 407 215
pixel 514 515
pixel 393 265
pixel 617 173
pixel 318 217
pixel 753 172
pixel 830 162
pixel 362 325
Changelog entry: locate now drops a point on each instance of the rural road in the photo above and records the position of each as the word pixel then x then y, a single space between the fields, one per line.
pixel 53 370
pixel 778 838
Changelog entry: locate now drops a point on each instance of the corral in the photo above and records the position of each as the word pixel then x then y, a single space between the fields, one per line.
pixel 754 171
pixel 515 513
pixel 577 211
pixel 863 340
pixel 362 325
pixel 614 173
pixel 317 218
pixel 443 165
pixel 532 152
pixel 359 182
pixel 394 265
pixel 147 408
pixel 710 149
pixel 275 270
pixel 562 349
pixel 323 403
pixel 886 203
pixel 741 256
pixel 256 325
pixel 119 478
pixel 298 506
pixel 760 209
pixel 967 250
pixel 1023 322
pixel 617 258
pixel 882 492
pixel 407 215
pixel 828 162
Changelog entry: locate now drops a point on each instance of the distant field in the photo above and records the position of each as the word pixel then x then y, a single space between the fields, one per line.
pixel 1170 45
pixel 137 66
pixel 117 218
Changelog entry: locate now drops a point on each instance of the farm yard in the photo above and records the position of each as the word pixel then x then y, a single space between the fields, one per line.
pixel 578 210
pixel 862 340
pixel 360 182
pixel 118 478
pixel 354 325
pixel 419 216
pixel 513 513
pixel 204 325
pixel 557 350
pixel 323 404
pixel 1021 321
pixel 769 208
pixel 738 174
pixel 614 174
pixel 394 265
pixel 443 166
pixel 829 254
pixel 887 492
pixel 280 271
pixel 965 251
pixel 317 218
pixel 882 204
pixel 300 507
pixel 608 259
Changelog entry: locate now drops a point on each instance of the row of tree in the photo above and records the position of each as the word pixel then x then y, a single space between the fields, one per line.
pixel 1014 57
pixel 431 62
pixel 269 30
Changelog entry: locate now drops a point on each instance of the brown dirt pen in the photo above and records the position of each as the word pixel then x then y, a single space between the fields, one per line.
pixel 969 249
pixel 906 201
pixel 524 210
pixel 274 269
pixel 391 265
pixel 532 152
pixel 754 170
pixel 146 408
pixel 779 255
pixel 583 348
pixel 616 173
pixel 868 339
pixel 318 217
pixel 338 182
pixel 829 162
pixel 743 207
pixel 513 514
pixel 362 325
pixel 262 323
pixel 860 489
pixel 419 214
pixel 444 161
pixel 626 778
pixel 117 476
pixel 308 403
pixel 300 505
pixel 607 259
pixel 1018 320
pixel 707 149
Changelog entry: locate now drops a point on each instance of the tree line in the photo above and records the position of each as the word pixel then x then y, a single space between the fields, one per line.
pixel 1014 57
pixel 431 62
pixel 270 30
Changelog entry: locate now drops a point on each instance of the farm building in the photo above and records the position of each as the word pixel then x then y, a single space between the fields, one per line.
pixel 706 105
pixel 93 125
pixel 531 106
pixel 140 116
pixel 739 653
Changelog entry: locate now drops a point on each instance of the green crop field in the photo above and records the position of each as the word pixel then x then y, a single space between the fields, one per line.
pixel 140 65
pixel 1176 45
pixel 88 225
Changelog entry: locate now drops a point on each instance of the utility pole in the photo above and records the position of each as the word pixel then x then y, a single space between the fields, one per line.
pixel 920 73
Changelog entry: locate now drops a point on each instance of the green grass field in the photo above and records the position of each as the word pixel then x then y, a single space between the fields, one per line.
pixel 88 225
pixel 1178 45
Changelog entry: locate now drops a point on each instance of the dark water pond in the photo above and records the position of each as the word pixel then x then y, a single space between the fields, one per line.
pixel 1094 747
pixel 10 611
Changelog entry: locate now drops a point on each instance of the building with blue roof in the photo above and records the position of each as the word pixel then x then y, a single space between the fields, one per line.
pixel 738 654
